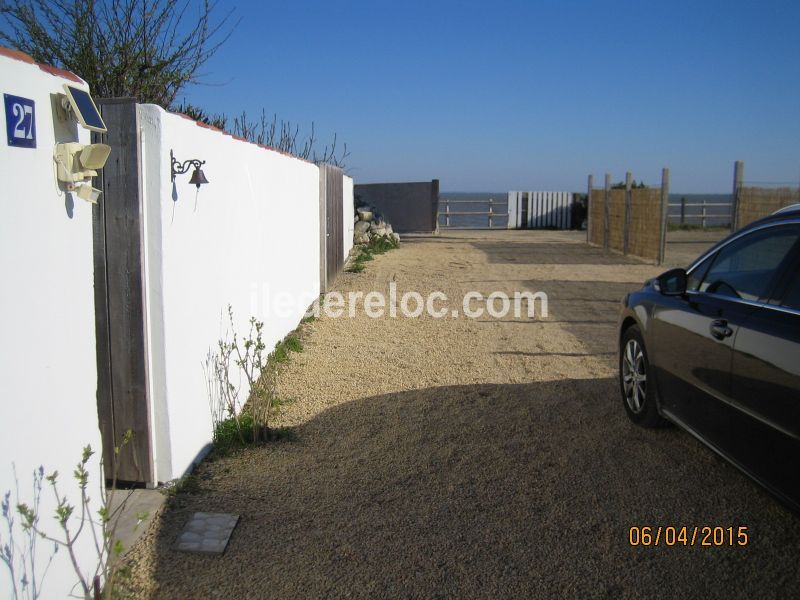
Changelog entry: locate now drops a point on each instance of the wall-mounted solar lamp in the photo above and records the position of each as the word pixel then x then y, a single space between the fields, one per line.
pixel 77 163
pixel 79 105
pixel 177 167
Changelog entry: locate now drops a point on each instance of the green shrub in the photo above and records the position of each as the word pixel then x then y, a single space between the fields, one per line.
pixel 227 433
pixel 379 245
pixel 293 343
pixel 382 244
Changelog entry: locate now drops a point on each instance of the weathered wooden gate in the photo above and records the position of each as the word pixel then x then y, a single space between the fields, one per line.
pixel 331 223
pixel 540 210
pixel 122 393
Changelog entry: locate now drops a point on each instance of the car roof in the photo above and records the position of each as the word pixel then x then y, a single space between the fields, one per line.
pixel 791 209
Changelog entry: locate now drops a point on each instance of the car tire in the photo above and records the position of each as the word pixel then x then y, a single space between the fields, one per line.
pixel 636 381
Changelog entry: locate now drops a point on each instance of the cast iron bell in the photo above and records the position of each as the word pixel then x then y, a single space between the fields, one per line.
pixel 198 177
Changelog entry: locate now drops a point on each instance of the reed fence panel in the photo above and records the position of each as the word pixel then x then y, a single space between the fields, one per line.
pixel 754 203
pixel 645 223
pixel 616 219
pixel 597 216
pixel 644 227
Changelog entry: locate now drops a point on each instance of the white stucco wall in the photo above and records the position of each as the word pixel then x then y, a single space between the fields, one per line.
pixel 250 238
pixel 348 212
pixel 47 356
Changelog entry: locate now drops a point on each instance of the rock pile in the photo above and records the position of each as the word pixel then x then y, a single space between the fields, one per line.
pixel 370 225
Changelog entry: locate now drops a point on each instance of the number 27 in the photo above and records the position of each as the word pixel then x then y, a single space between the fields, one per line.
pixel 24 127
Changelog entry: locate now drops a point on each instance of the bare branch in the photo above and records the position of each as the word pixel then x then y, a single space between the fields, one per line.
pixel 140 48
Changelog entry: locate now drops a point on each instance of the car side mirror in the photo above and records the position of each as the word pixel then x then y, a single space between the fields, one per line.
pixel 672 283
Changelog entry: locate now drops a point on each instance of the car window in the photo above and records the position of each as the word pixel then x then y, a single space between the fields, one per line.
pixel 745 268
pixel 695 278
pixel 792 297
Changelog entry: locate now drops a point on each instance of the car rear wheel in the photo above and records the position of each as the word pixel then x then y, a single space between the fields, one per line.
pixel 636 384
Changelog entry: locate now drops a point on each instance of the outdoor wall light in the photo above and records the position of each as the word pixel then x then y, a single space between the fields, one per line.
pixel 177 167
pixel 76 164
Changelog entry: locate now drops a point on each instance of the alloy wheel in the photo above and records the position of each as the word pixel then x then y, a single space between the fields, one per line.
pixel 634 375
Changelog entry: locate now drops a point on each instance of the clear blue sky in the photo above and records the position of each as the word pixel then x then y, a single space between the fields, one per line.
pixel 493 96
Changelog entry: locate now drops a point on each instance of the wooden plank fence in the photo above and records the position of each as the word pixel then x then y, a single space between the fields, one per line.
pixel 446 214
pixel 707 211
pixel 540 210
pixel 331 224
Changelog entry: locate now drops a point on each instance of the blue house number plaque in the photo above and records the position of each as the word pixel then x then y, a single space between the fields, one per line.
pixel 20 121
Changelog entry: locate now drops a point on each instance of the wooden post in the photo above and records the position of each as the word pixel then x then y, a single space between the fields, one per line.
pixel 123 398
pixel 683 210
pixel 664 212
pixel 435 203
pixel 323 231
pixel 589 210
pixel 703 217
pixel 606 212
pixel 628 207
pixel 447 213
pixel 332 257
pixel 738 177
pixel 490 213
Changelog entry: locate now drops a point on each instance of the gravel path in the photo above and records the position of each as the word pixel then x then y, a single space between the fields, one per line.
pixel 472 457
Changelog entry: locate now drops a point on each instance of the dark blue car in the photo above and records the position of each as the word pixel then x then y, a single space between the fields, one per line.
pixel 715 349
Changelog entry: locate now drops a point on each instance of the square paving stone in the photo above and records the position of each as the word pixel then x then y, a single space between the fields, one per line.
pixel 207 532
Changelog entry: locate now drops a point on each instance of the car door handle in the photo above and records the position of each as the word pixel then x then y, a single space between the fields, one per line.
pixel 720 329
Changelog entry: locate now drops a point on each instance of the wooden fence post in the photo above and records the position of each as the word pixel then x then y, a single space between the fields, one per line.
pixel 323 231
pixel 447 213
pixel 683 210
pixel 628 206
pixel 606 213
pixel 123 394
pixel 589 210
pixel 490 213
pixel 703 215
pixel 664 212
pixel 738 177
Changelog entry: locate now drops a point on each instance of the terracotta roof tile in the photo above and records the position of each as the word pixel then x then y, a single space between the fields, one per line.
pixel 16 55
pixel 22 57
pixel 60 73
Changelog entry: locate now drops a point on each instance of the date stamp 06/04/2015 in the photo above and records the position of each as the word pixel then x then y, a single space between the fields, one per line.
pixel 704 536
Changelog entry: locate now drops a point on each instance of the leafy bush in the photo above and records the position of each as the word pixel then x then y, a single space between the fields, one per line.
pixel 238 424
pixel 379 245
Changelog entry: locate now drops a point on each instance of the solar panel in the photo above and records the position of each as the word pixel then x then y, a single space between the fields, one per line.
pixel 84 108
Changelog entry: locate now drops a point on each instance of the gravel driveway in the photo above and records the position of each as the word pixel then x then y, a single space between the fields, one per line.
pixel 472 457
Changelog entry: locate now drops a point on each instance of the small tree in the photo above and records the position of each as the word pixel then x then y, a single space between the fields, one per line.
pixel 620 185
pixel 140 48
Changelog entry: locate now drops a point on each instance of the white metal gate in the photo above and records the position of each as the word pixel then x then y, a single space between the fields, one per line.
pixel 535 210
